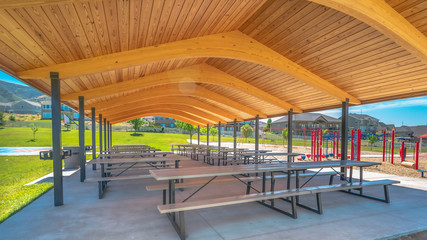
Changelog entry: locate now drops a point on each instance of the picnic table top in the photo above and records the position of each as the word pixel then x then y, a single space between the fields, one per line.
pixel 211 171
pixel 272 154
pixel 126 154
pixel 142 160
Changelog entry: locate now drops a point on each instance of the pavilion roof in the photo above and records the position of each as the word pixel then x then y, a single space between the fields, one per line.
pixel 204 61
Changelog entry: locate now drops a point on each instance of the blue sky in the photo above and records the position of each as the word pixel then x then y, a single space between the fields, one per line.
pixel 408 112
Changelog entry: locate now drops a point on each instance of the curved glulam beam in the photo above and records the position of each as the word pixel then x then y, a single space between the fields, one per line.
pixel 152 111
pixel 30 3
pixel 201 73
pixel 233 45
pixel 208 108
pixel 192 90
pixel 184 108
pixel 381 16
pixel 119 119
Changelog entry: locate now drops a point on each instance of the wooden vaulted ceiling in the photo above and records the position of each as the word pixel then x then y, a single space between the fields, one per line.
pixel 204 61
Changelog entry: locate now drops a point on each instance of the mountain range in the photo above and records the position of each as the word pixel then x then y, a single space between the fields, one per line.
pixel 10 92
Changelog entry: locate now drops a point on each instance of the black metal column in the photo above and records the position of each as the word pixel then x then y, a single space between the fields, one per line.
pixel 219 136
pixel 235 137
pixel 56 139
pixel 100 133
pixel 290 127
pixel 93 137
pixel 344 134
pixel 207 134
pixel 82 151
pixel 111 135
pixel 256 138
pixel 108 135
pixel 198 135
pixel 105 134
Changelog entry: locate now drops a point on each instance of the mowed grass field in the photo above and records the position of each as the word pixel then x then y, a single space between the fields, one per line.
pixel 15 172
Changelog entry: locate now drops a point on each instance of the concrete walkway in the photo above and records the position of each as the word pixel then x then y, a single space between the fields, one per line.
pixel 128 211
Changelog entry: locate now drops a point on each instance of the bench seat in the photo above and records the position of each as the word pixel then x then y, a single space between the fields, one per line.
pixel 102 181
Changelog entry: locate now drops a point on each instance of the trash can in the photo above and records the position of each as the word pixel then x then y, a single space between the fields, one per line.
pixel 73 161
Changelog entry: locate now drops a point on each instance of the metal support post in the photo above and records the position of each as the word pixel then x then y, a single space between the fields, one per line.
pixel 111 135
pixel 93 138
pixel 105 134
pixel 82 150
pixel 198 135
pixel 207 135
pixel 290 127
pixel 256 138
pixel 108 135
pixel 235 138
pixel 100 133
pixel 56 139
pixel 344 135
pixel 219 143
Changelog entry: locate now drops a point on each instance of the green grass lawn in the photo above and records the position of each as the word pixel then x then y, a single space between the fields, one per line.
pixel 15 172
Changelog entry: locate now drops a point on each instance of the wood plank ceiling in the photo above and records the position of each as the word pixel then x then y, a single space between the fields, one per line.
pixel 204 61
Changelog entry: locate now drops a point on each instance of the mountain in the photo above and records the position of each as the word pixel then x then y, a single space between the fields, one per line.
pixel 10 92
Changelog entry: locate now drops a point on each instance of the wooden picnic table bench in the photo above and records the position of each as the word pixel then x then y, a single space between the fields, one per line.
pixel 262 196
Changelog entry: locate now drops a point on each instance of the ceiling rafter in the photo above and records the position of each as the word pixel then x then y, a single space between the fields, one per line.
pixel 177 112
pixel 115 119
pixel 184 108
pixel 381 16
pixel 210 109
pixel 29 3
pixel 233 45
pixel 200 73
pixel 192 90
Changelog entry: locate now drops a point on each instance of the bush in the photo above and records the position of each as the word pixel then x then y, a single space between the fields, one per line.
pixel 12 118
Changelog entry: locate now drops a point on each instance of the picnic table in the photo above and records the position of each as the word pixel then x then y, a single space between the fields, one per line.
pixel 269 156
pixel 236 171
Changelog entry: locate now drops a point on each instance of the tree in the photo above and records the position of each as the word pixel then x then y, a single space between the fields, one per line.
pixel 213 131
pixel 12 118
pixel 67 126
pixel 137 123
pixel 247 131
pixel 2 121
pixel 284 135
pixel 187 127
pixel 267 127
pixel 372 139
pixel 34 129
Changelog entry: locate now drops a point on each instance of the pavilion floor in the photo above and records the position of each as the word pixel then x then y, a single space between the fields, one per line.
pixel 128 211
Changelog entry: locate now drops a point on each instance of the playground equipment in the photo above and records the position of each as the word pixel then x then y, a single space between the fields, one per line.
pixel 405 163
pixel 355 143
pixel 320 145
pixel 388 146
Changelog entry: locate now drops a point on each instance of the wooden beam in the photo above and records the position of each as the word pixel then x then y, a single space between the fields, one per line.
pixel 381 16
pixel 30 3
pixel 233 45
pixel 187 101
pixel 202 73
pixel 184 108
pixel 175 114
pixel 192 90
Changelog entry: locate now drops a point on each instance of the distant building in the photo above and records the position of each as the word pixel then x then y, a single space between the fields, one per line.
pixel 25 107
pixel 151 120
pixel 46 111
pixel 419 130
pixel 306 122
pixel 365 123
pixel 164 122
pixel 404 131
pixel 385 127
pixel 5 107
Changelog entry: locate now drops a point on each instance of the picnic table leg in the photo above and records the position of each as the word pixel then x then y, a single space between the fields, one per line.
pixel 289 180
pixel 361 178
pixel 297 183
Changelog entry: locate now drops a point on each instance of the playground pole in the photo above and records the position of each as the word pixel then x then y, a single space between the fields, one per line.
pixel 312 142
pixel 417 148
pixel 392 147
pixel 315 146
pixel 338 143
pixel 352 145
pixel 321 144
pixel 333 144
pixel 359 142
pixel 384 136
pixel 402 151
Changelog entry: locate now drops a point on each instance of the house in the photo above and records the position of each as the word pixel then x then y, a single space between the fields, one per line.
pixel 306 122
pixel 419 130
pixel 25 107
pixel 385 127
pixel 404 131
pixel 164 122
pixel 46 111
pixel 365 123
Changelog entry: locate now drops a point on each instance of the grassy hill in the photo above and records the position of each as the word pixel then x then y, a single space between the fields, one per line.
pixel 10 92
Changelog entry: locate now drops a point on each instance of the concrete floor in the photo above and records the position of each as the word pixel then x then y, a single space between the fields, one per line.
pixel 128 211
